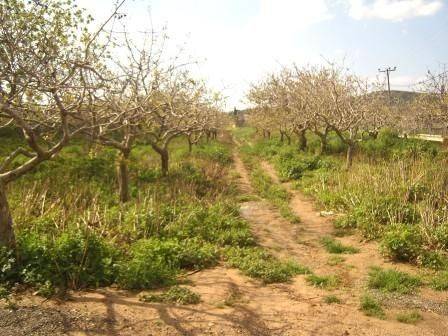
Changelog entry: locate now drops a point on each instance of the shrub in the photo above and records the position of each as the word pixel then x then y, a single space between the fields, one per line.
pixel 401 242
pixel 214 151
pixel 176 294
pixel 292 166
pixel 217 224
pixel 195 253
pixel 257 263
pixel 73 260
pixel 371 307
pixel 392 281
pixel 440 281
pixel 36 258
pixel 336 247
pixel 433 259
pixel 152 264
pixel 84 260
pixel 9 272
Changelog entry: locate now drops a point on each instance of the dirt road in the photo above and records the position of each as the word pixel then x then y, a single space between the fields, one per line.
pixel 233 304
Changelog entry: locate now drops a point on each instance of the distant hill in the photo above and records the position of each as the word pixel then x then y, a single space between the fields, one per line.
pixel 398 96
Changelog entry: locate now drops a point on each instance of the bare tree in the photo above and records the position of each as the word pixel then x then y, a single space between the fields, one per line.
pixel 120 109
pixel 433 102
pixel 175 109
pixel 47 69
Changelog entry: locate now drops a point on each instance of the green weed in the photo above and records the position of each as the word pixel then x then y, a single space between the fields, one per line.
pixel 440 281
pixel 257 263
pixel 393 281
pixel 409 317
pixel 176 294
pixel 330 299
pixel 371 307
pixel 336 247
pixel 324 281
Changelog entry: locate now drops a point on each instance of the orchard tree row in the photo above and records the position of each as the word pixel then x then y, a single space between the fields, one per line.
pixel 331 99
pixel 61 80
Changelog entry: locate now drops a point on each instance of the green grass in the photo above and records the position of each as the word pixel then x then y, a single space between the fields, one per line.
pixel 72 233
pixel 335 260
pixel 336 247
pixel 259 264
pixel 274 193
pixel 409 317
pixel 393 180
pixel 371 307
pixel 330 299
pixel 440 281
pixel 393 281
pixel 176 294
pixel 323 281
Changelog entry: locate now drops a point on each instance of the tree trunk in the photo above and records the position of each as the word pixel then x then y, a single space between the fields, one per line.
pixel 7 237
pixel 165 161
pixel 323 144
pixel 123 177
pixel 302 140
pixel 350 150
pixel 164 158
pixel 190 145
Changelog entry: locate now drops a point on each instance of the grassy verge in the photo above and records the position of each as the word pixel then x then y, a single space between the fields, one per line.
pixel 72 233
pixel 395 192
pixel 265 187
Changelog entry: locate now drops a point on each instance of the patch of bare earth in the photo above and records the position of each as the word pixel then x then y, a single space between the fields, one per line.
pixel 233 304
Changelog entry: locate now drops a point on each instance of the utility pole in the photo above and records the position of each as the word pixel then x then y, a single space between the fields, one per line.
pixel 388 70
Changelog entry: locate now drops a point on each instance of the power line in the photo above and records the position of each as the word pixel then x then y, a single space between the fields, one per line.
pixel 388 70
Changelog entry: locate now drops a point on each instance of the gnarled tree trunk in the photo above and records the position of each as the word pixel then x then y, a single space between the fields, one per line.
pixel 123 177
pixel 165 162
pixel 190 145
pixel 350 150
pixel 302 140
pixel 7 237
pixel 164 158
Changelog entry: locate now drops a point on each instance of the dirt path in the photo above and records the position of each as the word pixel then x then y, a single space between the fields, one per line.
pixel 233 304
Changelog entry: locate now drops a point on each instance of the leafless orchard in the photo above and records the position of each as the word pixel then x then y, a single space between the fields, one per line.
pixel 59 81
pixel 325 99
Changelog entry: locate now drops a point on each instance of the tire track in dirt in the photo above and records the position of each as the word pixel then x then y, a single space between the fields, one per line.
pixel 232 304
pixel 302 242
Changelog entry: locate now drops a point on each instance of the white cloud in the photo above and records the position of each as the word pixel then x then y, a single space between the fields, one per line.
pixel 393 10
pixel 236 51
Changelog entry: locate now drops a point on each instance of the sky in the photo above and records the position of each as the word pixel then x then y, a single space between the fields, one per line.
pixel 236 42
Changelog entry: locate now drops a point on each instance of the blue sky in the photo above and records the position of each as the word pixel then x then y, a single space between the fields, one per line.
pixel 238 41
